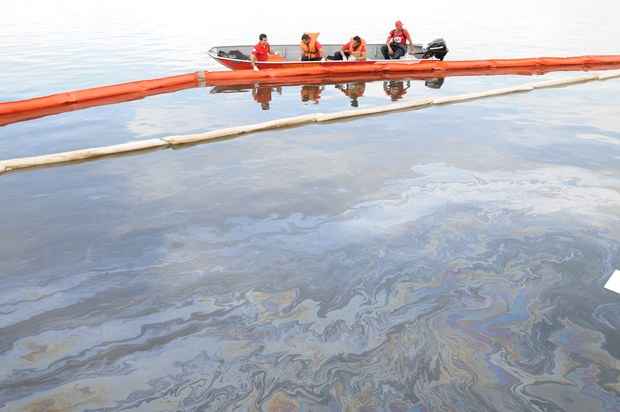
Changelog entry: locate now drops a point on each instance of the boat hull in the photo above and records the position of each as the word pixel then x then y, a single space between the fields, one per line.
pixel 238 57
pixel 246 65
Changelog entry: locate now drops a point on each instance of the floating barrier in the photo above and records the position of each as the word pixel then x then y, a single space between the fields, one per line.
pixel 69 107
pixel 82 154
pixel 426 66
pixel 175 141
pixel 351 77
pixel 565 82
pixel 60 100
pixel 475 96
pixel 395 107
pixel 415 68
pixel 237 131
pixel 20 116
pixel 607 76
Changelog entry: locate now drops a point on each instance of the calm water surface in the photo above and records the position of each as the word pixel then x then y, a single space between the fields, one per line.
pixel 448 259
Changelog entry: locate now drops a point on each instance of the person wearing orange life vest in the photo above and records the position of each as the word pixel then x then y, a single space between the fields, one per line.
pixel 395 46
pixel 355 49
pixel 311 49
pixel 261 51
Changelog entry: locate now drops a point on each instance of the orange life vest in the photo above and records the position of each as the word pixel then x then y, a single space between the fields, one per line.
pixel 310 50
pixel 350 49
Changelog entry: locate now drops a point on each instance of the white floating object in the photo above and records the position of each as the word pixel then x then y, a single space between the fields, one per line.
pixel 613 283
pixel 82 154
pixel 609 75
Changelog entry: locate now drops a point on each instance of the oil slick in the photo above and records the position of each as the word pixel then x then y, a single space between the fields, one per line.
pixel 406 300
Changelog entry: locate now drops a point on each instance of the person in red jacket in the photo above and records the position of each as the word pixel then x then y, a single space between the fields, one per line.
pixel 355 49
pixel 261 51
pixel 395 46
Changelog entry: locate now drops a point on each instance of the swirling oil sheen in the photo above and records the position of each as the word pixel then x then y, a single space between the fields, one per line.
pixel 451 260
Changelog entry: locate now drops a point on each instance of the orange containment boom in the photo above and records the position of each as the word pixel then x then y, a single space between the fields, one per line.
pixel 6 119
pixel 59 102
pixel 358 77
pixel 435 67
pixel 132 90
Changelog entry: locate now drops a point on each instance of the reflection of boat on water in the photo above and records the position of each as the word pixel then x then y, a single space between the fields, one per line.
pixel 311 90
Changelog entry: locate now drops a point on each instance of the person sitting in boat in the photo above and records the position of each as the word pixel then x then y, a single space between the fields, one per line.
pixel 355 49
pixel 261 51
pixel 395 46
pixel 311 49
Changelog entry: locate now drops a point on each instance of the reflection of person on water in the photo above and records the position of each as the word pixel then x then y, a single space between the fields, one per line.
pixel 396 89
pixel 262 95
pixel 311 49
pixel 355 49
pixel 395 46
pixel 353 90
pixel 311 93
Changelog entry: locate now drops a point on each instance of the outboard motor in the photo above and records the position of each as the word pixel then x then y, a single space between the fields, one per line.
pixel 437 48
pixel 434 83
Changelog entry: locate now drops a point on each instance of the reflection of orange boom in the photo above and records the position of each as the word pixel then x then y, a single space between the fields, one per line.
pixel 347 78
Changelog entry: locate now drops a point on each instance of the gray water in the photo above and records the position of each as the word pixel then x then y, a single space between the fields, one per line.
pixel 448 259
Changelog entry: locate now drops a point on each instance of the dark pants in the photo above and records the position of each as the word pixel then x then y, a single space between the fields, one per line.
pixel 338 56
pixel 310 59
pixel 399 51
